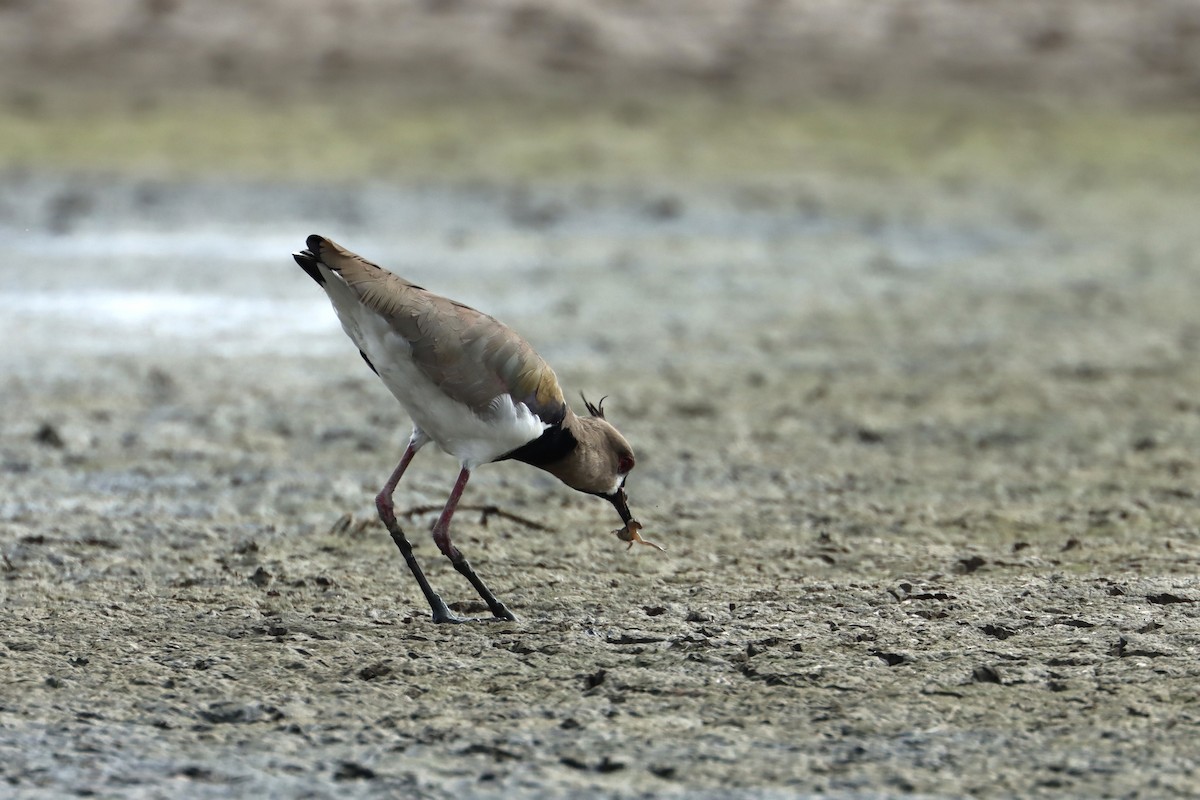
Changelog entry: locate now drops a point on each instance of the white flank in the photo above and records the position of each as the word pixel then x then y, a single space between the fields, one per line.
pixel 472 438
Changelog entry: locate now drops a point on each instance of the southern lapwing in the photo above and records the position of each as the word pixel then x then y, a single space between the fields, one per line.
pixel 472 386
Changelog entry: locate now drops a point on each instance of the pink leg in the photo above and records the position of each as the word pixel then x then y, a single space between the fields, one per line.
pixel 387 513
pixel 441 537
pixel 441 528
pixel 383 500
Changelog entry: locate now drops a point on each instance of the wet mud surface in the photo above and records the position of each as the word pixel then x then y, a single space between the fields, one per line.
pixel 925 466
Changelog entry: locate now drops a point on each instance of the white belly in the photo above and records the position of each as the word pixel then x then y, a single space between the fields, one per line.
pixel 472 438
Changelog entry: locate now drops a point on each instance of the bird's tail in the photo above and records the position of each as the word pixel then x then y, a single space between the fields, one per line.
pixel 355 270
pixel 309 260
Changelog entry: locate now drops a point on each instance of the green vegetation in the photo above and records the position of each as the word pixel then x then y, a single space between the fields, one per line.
pixel 680 138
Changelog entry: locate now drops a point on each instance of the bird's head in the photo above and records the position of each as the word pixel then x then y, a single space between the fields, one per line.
pixel 601 460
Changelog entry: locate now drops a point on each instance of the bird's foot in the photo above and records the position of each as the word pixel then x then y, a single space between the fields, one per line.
pixel 501 613
pixel 630 534
pixel 443 615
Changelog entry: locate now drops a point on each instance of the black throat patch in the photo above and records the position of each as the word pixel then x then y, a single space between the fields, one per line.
pixel 553 445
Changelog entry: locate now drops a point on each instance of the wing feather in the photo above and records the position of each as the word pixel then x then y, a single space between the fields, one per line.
pixel 471 356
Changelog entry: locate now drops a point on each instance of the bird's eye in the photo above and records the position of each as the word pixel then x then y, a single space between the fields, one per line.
pixel 624 464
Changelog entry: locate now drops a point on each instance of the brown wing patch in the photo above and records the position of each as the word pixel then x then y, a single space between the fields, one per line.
pixel 471 356
pixel 376 287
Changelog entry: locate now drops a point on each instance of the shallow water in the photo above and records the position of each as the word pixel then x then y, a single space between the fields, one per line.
pixel 191 270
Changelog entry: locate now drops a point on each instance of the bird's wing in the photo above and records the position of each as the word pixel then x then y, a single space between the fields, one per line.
pixel 471 356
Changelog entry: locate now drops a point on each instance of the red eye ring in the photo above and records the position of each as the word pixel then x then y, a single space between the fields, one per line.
pixel 624 464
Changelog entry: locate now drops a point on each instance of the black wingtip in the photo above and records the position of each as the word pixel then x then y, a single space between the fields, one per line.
pixel 369 364
pixel 310 258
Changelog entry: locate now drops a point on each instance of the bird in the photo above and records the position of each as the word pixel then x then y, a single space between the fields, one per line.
pixel 473 387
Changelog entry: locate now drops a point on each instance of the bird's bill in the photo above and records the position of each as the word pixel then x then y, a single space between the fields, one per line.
pixel 621 503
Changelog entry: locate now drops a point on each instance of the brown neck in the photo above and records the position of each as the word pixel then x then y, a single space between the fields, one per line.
pixel 586 466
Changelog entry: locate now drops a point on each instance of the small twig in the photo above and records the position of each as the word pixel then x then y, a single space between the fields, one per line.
pixel 417 510
pixel 484 511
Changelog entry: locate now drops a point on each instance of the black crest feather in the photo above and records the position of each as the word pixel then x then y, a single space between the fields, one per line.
pixel 595 410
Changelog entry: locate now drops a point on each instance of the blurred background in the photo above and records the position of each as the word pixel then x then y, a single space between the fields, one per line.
pixel 785 50
pixel 144 143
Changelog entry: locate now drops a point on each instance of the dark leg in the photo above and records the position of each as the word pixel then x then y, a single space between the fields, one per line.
pixel 441 537
pixel 387 513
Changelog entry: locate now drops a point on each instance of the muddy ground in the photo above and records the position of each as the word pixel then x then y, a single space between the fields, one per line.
pixel 923 454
